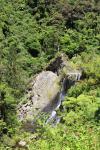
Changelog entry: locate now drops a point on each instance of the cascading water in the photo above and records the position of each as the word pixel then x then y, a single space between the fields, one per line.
pixel 53 116
pixel 66 84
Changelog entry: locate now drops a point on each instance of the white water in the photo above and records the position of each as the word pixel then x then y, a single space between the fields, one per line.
pixel 53 116
pixel 77 75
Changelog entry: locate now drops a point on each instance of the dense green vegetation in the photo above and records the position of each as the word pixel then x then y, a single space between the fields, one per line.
pixel 31 33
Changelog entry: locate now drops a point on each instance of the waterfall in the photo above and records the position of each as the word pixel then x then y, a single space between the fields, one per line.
pixel 77 75
pixel 53 116
pixel 54 119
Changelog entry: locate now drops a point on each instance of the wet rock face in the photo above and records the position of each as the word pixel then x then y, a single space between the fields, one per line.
pixel 42 95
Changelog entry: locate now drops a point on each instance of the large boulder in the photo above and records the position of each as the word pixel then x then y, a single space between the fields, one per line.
pixel 42 96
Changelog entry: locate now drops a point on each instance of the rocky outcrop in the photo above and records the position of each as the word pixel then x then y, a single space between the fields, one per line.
pixel 57 63
pixel 47 89
pixel 63 68
pixel 41 96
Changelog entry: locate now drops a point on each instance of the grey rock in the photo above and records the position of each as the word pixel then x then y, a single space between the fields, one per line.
pixel 42 96
pixel 22 143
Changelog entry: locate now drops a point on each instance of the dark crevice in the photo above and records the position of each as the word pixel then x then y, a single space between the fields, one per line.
pixel 55 65
pixel 5 30
pixel 33 52
pixel 97 115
